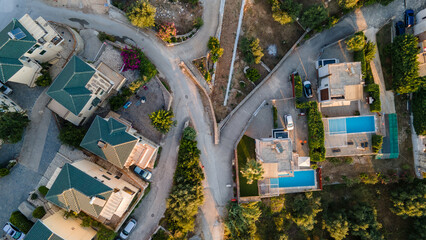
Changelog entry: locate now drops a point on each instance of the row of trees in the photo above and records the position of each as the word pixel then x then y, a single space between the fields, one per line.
pixel 187 192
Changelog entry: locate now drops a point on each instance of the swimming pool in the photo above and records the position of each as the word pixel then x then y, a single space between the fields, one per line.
pixel 301 179
pixel 359 124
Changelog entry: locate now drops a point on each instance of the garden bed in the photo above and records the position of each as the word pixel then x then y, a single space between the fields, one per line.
pixel 205 67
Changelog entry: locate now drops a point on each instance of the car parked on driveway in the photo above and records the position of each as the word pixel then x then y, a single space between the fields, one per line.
pixel 399 28
pixel 143 173
pixel 307 89
pixel 5 89
pixel 289 122
pixel 13 232
pixel 124 234
pixel 409 18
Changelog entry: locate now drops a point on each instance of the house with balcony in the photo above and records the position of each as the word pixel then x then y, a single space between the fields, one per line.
pixel 84 186
pixel 25 43
pixel 81 88
pixel 113 139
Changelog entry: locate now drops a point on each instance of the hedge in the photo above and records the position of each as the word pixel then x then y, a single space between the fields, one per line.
pixel 298 88
pixel 419 113
pixel 43 190
pixel 359 56
pixel 39 212
pixel 377 142
pixel 374 92
pixel 20 221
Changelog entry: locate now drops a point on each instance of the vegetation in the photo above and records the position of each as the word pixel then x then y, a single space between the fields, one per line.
pixel 161 235
pixel 39 212
pixel 285 11
pixel 187 192
pixel 340 160
pixel 252 171
pixel 298 87
pixel 419 229
pixel 142 14
pixel 405 65
pixel 337 224
pixel 43 190
pixel 252 74
pixel 20 221
pixel 72 135
pixel 4 172
pixel 245 152
pixel 348 4
pixel 315 132
pixel 241 220
pixel 12 125
pixel 373 90
pixel 105 233
pixel 45 79
pixel 162 120
pixel 251 49
pixel 34 196
pixel 410 200
pixel 275 115
pixel 364 222
pixel 314 16
pixel 369 51
pixel 377 142
pixel 117 101
pixel 359 56
pixel 166 32
pixel 356 42
pixel 189 133
pixel 419 113
pixel 303 209
pixel 198 22
pixel 215 50
pixel 104 36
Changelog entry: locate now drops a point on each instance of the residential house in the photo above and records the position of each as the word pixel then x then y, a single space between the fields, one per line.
pixel 80 88
pixel 24 43
pixel 114 140
pixel 420 32
pixel 86 187
pixel 59 228
pixel 8 105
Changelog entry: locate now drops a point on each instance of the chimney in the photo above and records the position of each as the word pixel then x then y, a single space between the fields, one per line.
pixel 101 144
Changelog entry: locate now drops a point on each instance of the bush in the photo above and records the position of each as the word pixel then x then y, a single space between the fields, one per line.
pixel 369 179
pixel 161 235
pixel 162 120
pixel 39 212
pixel 103 36
pixel 314 16
pixel 4 172
pixel 377 142
pixel 275 115
pixel 166 32
pixel 198 22
pixel 12 125
pixel 189 134
pixel 298 87
pixel 215 50
pixel 408 200
pixel 405 67
pixel 105 234
pixel 419 113
pixel 348 4
pixel 43 190
pixel 72 135
pixel 315 133
pixel 374 92
pixel 142 14
pixel 253 53
pixel 356 42
pixel 285 11
pixel 34 196
pixel 252 74
pixel 45 79
pixel 359 56
pixel 20 221
pixel 369 51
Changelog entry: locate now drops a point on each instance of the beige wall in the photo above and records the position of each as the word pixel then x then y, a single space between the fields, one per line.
pixel 27 74
pixel 68 229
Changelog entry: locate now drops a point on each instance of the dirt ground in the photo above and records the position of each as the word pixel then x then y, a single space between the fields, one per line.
pixel 182 14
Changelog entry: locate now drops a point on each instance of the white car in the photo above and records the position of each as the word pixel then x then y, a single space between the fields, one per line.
pixel 289 122
pixel 124 234
pixel 5 89
pixel 323 62
pixel 13 232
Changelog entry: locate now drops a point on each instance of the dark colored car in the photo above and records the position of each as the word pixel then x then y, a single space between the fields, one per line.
pixel 307 89
pixel 409 18
pixel 399 27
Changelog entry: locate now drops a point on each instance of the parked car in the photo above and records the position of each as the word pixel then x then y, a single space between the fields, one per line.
pixel 323 62
pixel 127 105
pixel 409 18
pixel 307 89
pixel 289 122
pixel 143 173
pixel 399 27
pixel 13 232
pixel 5 89
pixel 124 234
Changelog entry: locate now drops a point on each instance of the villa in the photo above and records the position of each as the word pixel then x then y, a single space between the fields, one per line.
pixel 420 33
pixel 113 139
pixel 25 43
pixel 80 89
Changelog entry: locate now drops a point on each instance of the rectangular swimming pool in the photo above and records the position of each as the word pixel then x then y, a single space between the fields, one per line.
pixel 361 124
pixel 304 178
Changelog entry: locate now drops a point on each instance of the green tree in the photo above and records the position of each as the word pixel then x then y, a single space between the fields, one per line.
pixel 251 49
pixel 72 135
pixel 215 50
pixel 419 113
pixel 369 51
pixel 162 120
pixel 405 66
pixel 409 200
pixel 303 210
pixel 12 125
pixel 253 171
pixel 377 142
pixel 142 14
pixel 314 16
pixel 348 4
pixel 337 224
pixel 356 42
pixel 285 11
pixel 39 212
pixel 418 229
pixel 252 74
pixel 363 222
pixel 240 224
pixel 189 133
pixel 20 221
pixel 45 79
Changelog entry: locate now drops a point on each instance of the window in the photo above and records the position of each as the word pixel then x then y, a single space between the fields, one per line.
pixel 42 52
pixel 33 49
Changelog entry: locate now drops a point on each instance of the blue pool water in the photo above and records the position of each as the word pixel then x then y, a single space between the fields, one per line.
pixel 352 125
pixel 300 179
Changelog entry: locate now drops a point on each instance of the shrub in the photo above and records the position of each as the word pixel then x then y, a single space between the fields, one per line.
pixel 252 171
pixel 377 142
pixel 356 42
pixel 20 221
pixel 103 36
pixel 348 4
pixel 285 11
pixel 369 179
pixel 105 233
pixel 198 22
pixel 314 16
pixel 252 74
pixel 45 79
pixel 4 172
pixel 130 58
pixel 72 135
pixel 43 190
pixel 369 51
pixel 39 212
pixel 374 91
pixel 334 160
pixel 162 120
pixel 142 14
pixel 408 200
pixel 167 31
pixel 12 125
pixel 215 50
pixel 161 235
pixel 34 196
pixel 315 133
pixel 298 88
pixel 359 56
pixel 251 49
pixel 275 115
pixel 419 113
pixel 189 134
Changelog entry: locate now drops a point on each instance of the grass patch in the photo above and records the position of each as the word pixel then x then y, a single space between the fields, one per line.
pixel 383 37
pixel 246 151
